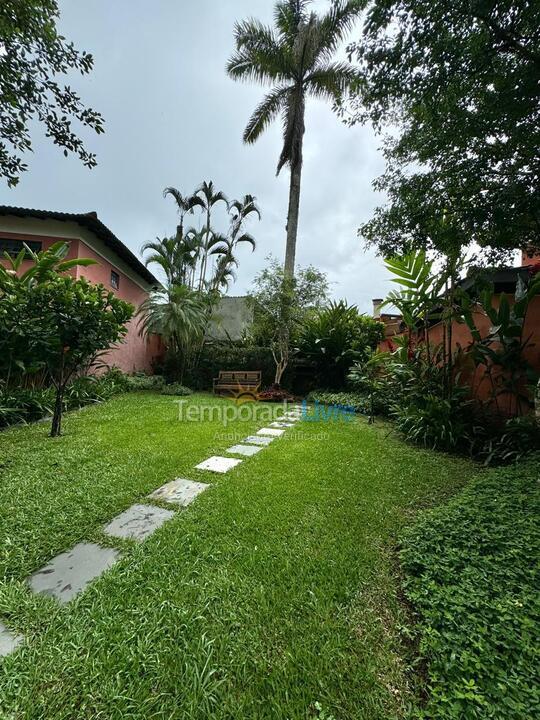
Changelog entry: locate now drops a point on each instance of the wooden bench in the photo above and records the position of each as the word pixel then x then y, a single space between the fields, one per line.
pixel 236 381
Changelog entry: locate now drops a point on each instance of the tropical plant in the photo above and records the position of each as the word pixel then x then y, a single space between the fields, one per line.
pixel 336 336
pixel 174 255
pixel 179 315
pixel 184 203
pixel 502 352
pixel 45 265
pixel 209 197
pixel 296 58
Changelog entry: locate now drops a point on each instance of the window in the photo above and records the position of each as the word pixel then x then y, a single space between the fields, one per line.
pixel 115 280
pixel 14 247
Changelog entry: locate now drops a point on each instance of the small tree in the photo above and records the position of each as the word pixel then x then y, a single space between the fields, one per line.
pixel 280 305
pixel 61 324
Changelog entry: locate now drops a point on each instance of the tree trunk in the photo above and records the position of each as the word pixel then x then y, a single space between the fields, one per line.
pixel 292 215
pixel 56 426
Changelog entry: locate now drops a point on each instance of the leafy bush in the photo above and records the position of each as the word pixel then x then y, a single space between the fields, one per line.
pixel 336 336
pixel 519 437
pixel 25 405
pixel 21 405
pixel 357 401
pixel 471 576
pixel 436 422
pixel 145 382
pixel 176 389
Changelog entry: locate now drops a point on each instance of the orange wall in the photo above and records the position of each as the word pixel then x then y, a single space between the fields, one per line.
pixel 134 353
pixel 477 379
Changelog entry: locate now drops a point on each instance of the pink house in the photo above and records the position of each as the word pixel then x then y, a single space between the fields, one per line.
pixel 117 268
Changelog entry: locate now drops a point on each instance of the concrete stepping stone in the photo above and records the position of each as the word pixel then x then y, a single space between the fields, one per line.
pixel 274 432
pixel 138 522
pixel 281 424
pixel 70 572
pixel 179 491
pixel 9 641
pixel 218 464
pixel 247 450
pixel 258 440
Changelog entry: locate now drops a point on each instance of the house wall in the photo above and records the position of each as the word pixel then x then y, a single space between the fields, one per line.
pixel 134 353
pixel 232 317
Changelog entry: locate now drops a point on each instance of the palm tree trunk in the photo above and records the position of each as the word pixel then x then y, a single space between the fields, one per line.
pixel 292 215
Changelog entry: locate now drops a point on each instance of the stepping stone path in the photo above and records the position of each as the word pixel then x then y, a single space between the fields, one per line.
pixel 179 491
pixel 218 464
pixel 138 522
pixel 8 641
pixel 70 572
pixel 258 440
pixel 274 432
pixel 247 450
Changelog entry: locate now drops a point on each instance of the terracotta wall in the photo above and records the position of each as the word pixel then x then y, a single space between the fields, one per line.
pixel 477 379
pixel 134 353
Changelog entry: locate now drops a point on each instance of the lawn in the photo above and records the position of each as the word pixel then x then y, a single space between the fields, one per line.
pixel 274 594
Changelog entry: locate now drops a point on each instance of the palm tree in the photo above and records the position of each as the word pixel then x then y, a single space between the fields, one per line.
pixel 210 197
pixel 174 256
pixel 178 314
pixel 185 203
pixel 295 58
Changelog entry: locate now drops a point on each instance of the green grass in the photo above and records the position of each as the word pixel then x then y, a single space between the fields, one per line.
pixel 275 591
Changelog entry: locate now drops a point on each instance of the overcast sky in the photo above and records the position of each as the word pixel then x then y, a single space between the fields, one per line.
pixel 173 117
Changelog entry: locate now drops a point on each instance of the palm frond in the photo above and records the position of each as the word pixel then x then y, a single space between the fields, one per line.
pixel 293 130
pixel 247 238
pixel 287 16
pixel 336 24
pixel 333 81
pixel 265 113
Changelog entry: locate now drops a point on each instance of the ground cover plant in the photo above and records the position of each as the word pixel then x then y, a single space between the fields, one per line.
pixel 274 595
pixel 471 575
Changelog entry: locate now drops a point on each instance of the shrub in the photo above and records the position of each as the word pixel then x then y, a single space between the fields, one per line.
pixel 145 382
pixel 19 405
pixel 176 389
pixel 22 405
pixel 436 422
pixel 519 437
pixel 471 576
pixel 336 336
pixel 357 401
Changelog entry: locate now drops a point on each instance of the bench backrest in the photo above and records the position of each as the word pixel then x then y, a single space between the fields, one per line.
pixel 243 377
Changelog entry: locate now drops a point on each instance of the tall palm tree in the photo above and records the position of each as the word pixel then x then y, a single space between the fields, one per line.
pixel 295 57
pixel 208 197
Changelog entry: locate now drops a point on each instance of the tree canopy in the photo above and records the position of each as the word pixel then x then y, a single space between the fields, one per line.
pixel 461 81
pixel 32 56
